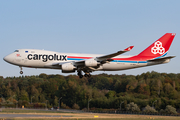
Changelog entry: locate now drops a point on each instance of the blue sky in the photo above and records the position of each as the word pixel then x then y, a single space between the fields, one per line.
pixel 87 26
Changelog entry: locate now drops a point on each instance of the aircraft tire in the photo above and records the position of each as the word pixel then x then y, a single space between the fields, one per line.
pixel 81 76
pixel 21 72
pixel 85 75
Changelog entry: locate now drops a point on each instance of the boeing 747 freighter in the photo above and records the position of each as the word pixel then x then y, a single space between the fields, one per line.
pixel 87 63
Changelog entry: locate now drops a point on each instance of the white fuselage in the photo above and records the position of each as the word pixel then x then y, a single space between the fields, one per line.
pixel 46 59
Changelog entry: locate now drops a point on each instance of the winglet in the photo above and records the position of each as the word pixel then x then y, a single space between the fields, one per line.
pixel 129 48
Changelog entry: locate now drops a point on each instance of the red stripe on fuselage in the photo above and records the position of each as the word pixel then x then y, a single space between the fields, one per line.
pixel 79 57
pixel 133 58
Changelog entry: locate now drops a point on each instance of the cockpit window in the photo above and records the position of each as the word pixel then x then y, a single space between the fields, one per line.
pixel 16 51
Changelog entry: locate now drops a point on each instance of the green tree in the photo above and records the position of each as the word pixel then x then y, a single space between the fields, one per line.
pixel 143 89
pixel 55 101
pixel 42 75
pixel 131 85
pixel 111 94
pixel 24 95
pixel 42 98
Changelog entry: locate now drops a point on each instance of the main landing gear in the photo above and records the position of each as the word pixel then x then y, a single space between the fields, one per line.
pixel 87 74
pixel 21 72
pixel 80 74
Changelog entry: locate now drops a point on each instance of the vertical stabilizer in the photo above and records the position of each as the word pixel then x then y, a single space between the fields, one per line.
pixel 159 47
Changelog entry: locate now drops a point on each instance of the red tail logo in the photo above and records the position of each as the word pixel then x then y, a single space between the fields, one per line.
pixel 158 48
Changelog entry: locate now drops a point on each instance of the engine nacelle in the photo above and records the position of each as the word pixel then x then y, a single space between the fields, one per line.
pixel 68 68
pixel 91 63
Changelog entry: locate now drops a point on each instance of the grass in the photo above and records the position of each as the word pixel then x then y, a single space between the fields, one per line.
pixel 27 111
pixel 107 119
pixel 82 116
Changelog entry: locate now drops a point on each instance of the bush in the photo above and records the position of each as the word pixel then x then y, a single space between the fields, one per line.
pixel 162 111
pixel 39 105
pixel 149 109
pixel 170 110
pixel 25 103
pixel 132 107
pixel 63 105
pixel 75 106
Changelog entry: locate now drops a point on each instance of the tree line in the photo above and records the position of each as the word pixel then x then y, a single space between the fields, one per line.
pixel 103 91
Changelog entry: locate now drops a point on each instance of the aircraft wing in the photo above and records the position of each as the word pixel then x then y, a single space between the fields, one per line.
pixel 108 57
pixel 100 60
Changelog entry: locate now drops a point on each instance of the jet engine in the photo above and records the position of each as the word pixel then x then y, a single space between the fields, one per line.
pixel 91 63
pixel 68 68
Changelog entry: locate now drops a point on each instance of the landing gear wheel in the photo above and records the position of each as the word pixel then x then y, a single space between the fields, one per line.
pixel 21 72
pixel 81 76
pixel 87 75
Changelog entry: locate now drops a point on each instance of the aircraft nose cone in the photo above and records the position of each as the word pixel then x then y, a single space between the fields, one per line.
pixel 7 58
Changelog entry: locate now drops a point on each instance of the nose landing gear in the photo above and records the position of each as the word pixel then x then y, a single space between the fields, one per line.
pixel 21 72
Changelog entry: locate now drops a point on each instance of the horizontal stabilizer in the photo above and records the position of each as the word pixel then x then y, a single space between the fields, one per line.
pixel 160 59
